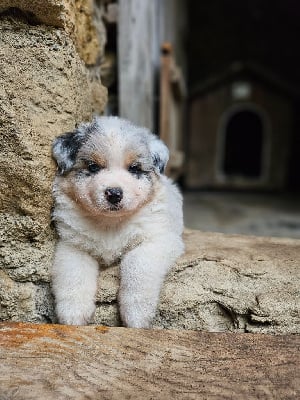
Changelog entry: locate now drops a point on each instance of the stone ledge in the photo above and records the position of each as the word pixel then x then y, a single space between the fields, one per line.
pixel 61 362
pixel 223 283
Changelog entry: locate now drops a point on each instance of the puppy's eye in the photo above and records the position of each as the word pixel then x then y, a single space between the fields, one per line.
pixel 93 167
pixel 135 168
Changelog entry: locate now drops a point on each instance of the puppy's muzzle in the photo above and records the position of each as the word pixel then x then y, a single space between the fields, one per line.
pixel 114 195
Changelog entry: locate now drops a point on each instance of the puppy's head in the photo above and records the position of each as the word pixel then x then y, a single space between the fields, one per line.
pixel 109 166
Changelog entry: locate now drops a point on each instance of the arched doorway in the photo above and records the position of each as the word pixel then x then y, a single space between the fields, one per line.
pixel 243 145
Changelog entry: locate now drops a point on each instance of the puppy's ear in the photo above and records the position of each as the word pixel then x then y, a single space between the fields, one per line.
pixel 65 149
pixel 160 155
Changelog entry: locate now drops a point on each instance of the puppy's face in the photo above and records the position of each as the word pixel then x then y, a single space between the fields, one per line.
pixel 109 167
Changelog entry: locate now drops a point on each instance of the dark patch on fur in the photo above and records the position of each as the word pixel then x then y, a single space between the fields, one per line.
pixel 65 149
pixel 158 163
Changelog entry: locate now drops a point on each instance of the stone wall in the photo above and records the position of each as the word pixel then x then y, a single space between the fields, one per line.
pixel 49 81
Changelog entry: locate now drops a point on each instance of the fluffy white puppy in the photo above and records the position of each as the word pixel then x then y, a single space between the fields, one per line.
pixel 113 204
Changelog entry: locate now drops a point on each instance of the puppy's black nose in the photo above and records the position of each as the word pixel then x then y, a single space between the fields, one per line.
pixel 114 195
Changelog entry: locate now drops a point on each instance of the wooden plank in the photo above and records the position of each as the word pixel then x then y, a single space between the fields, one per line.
pixel 172 94
pixel 136 40
pixel 165 95
pixel 67 362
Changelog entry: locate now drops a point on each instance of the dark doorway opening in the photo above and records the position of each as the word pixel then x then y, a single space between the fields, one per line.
pixel 243 146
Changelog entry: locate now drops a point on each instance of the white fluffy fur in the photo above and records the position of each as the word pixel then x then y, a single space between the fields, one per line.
pixel 144 233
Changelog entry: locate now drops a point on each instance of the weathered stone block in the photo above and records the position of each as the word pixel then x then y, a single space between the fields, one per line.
pixel 45 89
pixel 223 283
pixel 80 19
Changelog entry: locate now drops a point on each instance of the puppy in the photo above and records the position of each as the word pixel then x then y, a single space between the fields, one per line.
pixel 113 204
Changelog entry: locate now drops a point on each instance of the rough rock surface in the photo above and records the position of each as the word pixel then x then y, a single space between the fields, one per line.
pixel 223 283
pixel 76 18
pixel 45 89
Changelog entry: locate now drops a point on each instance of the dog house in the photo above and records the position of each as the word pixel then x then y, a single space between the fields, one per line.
pixel 240 127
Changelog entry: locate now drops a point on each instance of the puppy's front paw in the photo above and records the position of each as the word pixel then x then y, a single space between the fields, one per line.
pixel 75 314
pixel 135 320
pixel 136 311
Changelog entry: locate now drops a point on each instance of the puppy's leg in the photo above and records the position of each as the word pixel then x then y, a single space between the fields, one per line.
pixel 74 278
pixel 142 274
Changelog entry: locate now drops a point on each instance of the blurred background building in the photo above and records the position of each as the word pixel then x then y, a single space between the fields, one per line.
pixel 219 81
